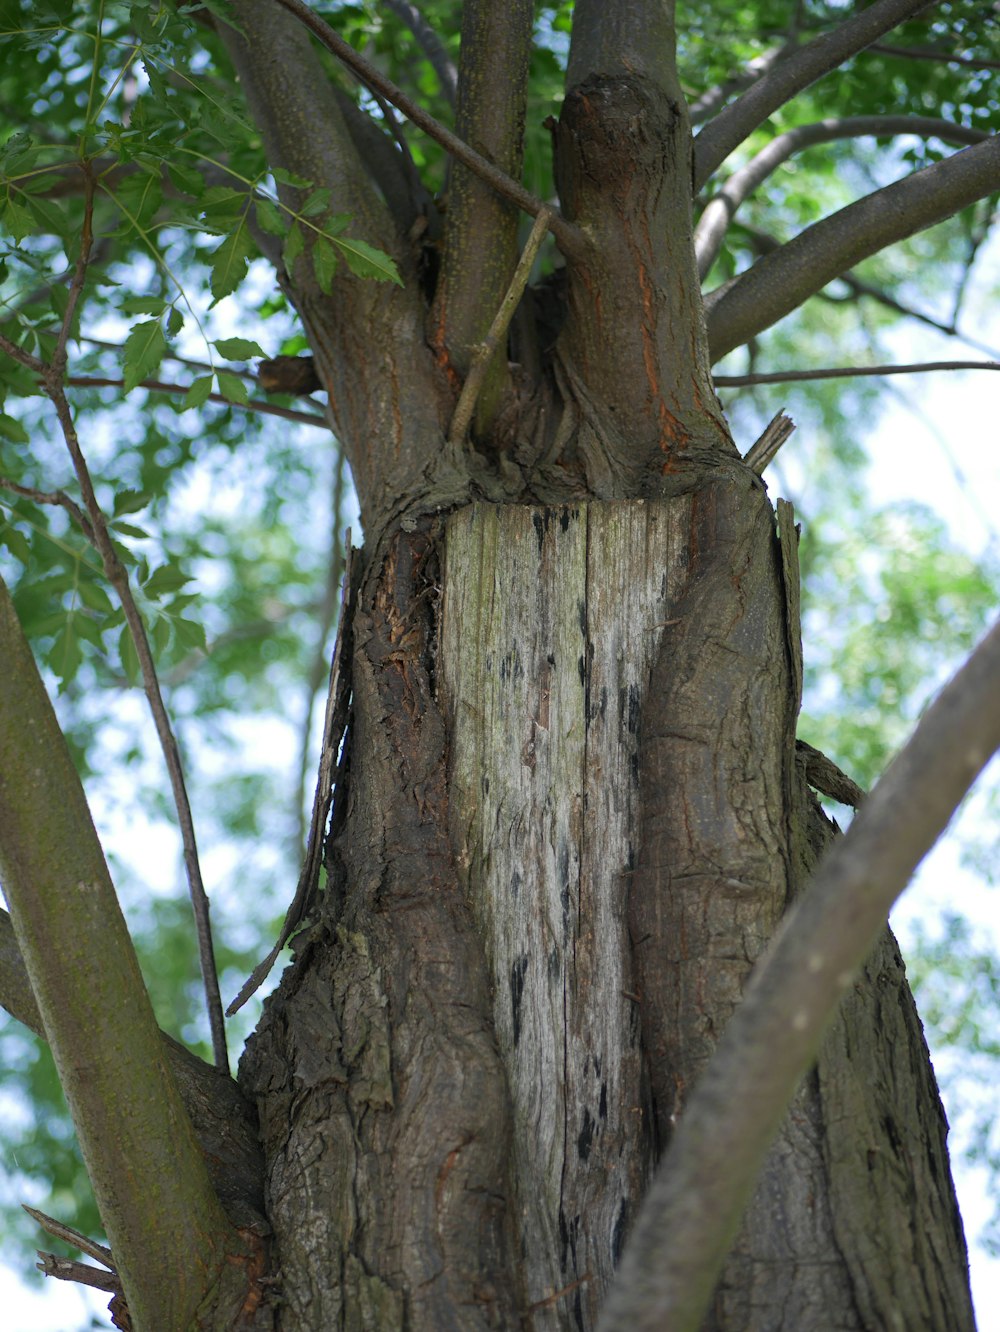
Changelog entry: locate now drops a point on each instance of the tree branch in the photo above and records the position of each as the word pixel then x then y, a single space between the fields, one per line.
pixel 940 57
pixel 481 228
pixel 782 280
pixel 693 1208
pixel 431 45
pixel 788 77
pixel 224 1124
pixel 149 1178
pixel 720 210
pixel 849 372
pixel 637 38
pixel 710 102
pixel 569 237
pixel 162 386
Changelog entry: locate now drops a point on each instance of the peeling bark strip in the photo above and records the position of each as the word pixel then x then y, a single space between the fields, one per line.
pixel 550 625
pixel 382 1099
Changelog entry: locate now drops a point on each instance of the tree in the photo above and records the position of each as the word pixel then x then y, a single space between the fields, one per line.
pixel 570 811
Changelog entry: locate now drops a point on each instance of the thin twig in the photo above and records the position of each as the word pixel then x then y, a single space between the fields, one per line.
pixel 57 497
pixel 334 726
pixel 483 353
pixel 941 57
pixel 52 377
pixel 161 386
pixel 571 239
pixel 849 372
pixel 65 1269
pixel 19 355
pixel 59 1230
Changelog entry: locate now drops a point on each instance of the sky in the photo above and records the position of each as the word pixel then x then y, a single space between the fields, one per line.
pixel 938 443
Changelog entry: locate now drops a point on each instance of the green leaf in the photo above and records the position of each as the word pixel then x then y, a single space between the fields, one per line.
pixel 232 388
pixel 128 655
pixel 318 202
pixel 160 635
pixel 324 263
pixel 64 656
pixel 94 596
pixel 239 349
pixel 18 220
pixel 270 217
pixel 130 501
pixel 290 178
pixel 15 542
pixel 190 634
pixel 130 530
pixel 138 305
pixel 144 350
pixel 175 322
pixel 187 178
pixel 167 578
pixel 12 430
pixel 199 392
pixel 365 261
pixel 294 245
pixel 229 261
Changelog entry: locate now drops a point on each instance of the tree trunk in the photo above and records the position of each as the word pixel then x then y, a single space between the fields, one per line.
pixel 571 814
pixel 468 1073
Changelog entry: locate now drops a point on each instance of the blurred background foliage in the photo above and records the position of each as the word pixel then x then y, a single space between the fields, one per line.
pixel 232 521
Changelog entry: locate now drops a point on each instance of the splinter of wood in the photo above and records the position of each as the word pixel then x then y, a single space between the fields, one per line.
pixel 765 449
pixel 334 725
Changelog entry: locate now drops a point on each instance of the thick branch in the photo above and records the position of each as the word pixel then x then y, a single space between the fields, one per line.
pixel 720 209
pixel 783 279
pixel 148 1176
pixel 693 1208
pixel 481 249
pixel 570 240
pixel 788 77
pixel 224 1124
pixel 637 39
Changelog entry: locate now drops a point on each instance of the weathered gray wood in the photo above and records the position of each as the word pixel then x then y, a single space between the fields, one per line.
pixel 550 622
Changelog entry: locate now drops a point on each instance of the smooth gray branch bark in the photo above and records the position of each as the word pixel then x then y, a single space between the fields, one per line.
pixel 637 38
pixel 783 279
pixel 721 208
pixel 693 1208
pixel 788 77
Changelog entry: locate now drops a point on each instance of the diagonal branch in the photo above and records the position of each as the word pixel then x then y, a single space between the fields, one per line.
pixel 223 1121
pixel 721 208
pixel 714 98
pixel 693 1208
pixel 149 1178
pixel 788 77
pixel 570 239
pixel 783 279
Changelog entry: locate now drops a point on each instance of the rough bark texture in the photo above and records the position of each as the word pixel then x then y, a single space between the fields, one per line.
pixel 571 814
